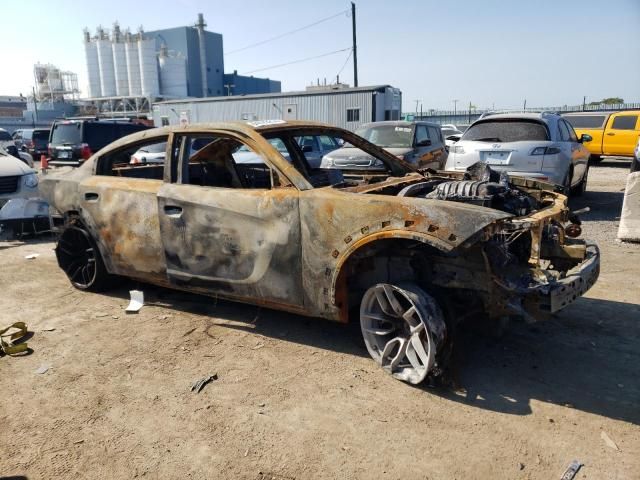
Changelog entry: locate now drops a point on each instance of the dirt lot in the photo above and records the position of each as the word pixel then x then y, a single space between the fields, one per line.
pixel 300 398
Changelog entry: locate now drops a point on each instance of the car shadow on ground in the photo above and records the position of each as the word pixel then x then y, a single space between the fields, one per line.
pixel 584 358
pixel 316 332
pixel 603 206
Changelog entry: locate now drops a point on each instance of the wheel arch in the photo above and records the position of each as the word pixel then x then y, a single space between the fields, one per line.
pixel 75 218
pixel 373 246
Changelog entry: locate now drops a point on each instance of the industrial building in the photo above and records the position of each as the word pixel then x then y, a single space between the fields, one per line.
pixel 127 70
pixel 344 107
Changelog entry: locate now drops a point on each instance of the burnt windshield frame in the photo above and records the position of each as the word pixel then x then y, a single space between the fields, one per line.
pixel 396 166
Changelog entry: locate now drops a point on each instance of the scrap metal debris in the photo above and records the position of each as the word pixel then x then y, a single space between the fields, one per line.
pixel 32 256
pixel 610 443
pixel 10 347
pixel 199 385
pixel 572 470
pixel 137 300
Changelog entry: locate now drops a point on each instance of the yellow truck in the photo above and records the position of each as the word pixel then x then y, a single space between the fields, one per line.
pixel 614 133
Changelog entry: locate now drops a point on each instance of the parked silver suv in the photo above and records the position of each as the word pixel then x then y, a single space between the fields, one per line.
pixel 418 143
pixel 543 146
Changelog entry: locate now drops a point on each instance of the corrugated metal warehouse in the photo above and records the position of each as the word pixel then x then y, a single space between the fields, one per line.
pixel 345 107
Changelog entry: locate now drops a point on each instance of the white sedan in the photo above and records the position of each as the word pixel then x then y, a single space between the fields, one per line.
pixel 542 146
pixel 154 153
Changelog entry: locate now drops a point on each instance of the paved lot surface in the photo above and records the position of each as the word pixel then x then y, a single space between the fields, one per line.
pixel 299 398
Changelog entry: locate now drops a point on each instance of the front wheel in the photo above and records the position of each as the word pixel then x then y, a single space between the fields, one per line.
pixel 403 329
pixel 79 257
pixel 593 159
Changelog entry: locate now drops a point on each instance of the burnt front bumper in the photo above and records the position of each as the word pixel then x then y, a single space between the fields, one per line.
pixel 557 294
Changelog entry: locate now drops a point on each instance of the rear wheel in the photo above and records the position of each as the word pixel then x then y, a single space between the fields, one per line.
pixel 403 329
pixel 79 257
pixel 566 183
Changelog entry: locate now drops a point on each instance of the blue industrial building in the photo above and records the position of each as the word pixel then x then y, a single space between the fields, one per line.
pixel 240 85
pixel 189 41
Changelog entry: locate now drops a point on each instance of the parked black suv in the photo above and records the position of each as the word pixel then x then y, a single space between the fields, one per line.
pixel 39 143
pixel 73 141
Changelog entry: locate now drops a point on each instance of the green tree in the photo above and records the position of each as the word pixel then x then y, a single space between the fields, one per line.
pixel 608 101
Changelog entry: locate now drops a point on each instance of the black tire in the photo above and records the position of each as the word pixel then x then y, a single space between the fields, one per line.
pixel 79 257
pixel 594 159
pixel 566 183
pixel 579 190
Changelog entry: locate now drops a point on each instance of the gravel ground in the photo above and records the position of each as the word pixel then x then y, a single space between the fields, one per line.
pixel 299 398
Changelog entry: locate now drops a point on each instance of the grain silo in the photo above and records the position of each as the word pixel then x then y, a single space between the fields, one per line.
pixel 93 69
pixel 133 63
pixel 119 62
pixel 149 82
pixel 105 62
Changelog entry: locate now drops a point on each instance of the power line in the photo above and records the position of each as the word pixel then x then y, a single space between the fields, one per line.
pixel 345 62
pixel 287 33
pixel 297 61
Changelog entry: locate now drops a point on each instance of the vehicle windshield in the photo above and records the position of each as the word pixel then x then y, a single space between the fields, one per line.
pixel 4 135
pixel 586 121
pixel 507 130
pixel 66 134
pixel 390 136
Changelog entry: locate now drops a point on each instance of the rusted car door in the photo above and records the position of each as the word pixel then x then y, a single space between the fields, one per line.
pixel 119 204
pixel 231 240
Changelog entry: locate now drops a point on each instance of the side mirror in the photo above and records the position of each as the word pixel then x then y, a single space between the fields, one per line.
pixel 584 138
pixel 307 149
pixel 423 143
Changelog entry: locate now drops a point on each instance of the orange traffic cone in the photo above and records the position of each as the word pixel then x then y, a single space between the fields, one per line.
pixel 44 162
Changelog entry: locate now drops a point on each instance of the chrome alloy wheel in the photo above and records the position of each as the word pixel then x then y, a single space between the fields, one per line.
pixel 403 329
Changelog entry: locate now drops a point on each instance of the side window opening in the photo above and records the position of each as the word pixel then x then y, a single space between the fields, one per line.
pixel 435 134
pixel 625 122
pixel 308 162
pixel 572 134
pixel 564 133
pixel 223 162
pixel 144 160
pixel 422 134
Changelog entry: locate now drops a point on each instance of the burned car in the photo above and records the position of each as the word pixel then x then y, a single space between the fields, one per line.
pixel 406 253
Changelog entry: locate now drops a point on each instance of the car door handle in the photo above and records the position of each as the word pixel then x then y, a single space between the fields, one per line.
pixel 173 210
pixel 610 134
pixel 91 196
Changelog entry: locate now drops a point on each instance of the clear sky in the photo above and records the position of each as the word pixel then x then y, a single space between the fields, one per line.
pixel 490 52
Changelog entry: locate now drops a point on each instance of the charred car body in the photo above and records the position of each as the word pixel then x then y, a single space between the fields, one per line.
pixel 413 252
